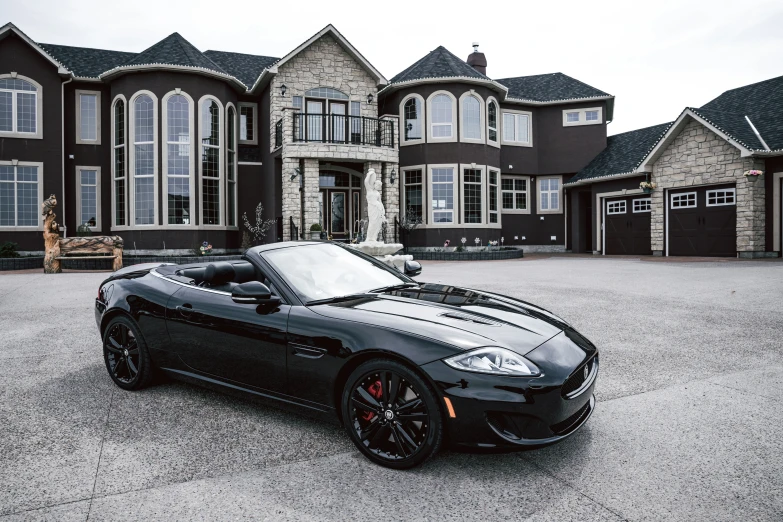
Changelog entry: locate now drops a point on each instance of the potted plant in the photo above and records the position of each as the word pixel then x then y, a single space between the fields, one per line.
pixel 753 175
pixel 315 231
pixel 647 186
pixel 205 248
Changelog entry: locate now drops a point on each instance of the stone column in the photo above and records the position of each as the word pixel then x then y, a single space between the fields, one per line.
pixel 391 192
pixel 291 198
pixel 311 195
pixel 751 212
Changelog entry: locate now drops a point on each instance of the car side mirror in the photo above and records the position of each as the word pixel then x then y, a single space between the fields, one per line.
pixel 255 293
pixel 412 268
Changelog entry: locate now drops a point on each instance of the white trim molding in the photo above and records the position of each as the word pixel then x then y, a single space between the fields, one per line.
pixel 482 117
pixel 232 149
pixel 582 116
pixel 422 121
pixel 78 184
pixel 777 211
pixel 131 141
pixel 539 193
pixel 221 163
pixel 114 148
pixel 482 197
pixel 191 160
pixel 254 123
pixel 600 197
pixel 516 143
pixel 430 123
pixel 38 134
pixel 455 195
pixel 78 105
pixel 40 182
pixel 496 142
pixel 424 190
pixel 514 192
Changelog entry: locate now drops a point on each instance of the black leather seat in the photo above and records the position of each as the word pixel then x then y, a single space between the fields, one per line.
pixel 220 276
pixel 244 272
pixel 195 273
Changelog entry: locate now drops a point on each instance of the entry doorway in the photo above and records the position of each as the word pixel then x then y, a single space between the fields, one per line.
pixel 340 202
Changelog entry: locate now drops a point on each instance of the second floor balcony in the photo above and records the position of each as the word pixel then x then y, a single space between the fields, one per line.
pixel 342 129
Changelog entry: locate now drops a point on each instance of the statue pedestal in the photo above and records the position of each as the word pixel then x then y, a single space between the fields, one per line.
pixel 384 252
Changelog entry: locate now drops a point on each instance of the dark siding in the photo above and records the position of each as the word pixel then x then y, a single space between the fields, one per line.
pixel 567 149
pixel 16 55
pixel 267 187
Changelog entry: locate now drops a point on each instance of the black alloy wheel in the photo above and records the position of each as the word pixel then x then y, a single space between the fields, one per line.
pixel 126 355
pixel 392 414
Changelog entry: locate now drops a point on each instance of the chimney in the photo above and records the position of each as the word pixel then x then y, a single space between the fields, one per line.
pixel 477 60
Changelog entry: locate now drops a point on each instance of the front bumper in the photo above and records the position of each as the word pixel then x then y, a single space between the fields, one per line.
pixel 492 411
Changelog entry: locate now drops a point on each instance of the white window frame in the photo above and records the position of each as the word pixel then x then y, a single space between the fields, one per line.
pixel 514 143
pixel 726 191
pixel 124 177
pixel 482 117
pixel 454 115
pixel 16 163
pixel 515 192
pixel 78 101
pixel 616 207
pixel 482 197
pixel 404 183
pixel 192 165
pixel 38 134
pixel 235 149
pixel 253 106
pixel 498 122
pixel 583 116
pixel 637 207
pixel 498 198
pixel 456 207
pixel 131 160
pixel 560 205
pixel 422 119
pixel 679 198
pixel 221 164
pixel 80 219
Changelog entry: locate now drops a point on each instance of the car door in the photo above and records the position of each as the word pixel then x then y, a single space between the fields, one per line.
pixel 244 343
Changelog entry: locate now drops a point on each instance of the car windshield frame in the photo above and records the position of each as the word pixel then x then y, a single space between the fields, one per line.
pixel 390 276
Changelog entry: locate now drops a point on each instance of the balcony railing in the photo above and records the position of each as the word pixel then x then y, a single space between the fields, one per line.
pixel 279 133
pixel 338 128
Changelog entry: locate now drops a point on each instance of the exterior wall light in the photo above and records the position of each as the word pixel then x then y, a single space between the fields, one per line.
pixel 296 173
pixel 369 99
pixel 283 88
pixel 393 176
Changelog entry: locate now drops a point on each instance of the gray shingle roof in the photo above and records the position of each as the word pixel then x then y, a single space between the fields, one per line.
pixel 623 153
pixel 246 67
pixel 439 63
pixel 549 87
pixel 733 125
pixel 174 50
pixel 84 61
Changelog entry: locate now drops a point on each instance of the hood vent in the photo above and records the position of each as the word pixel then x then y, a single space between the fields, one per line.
pixel 470 318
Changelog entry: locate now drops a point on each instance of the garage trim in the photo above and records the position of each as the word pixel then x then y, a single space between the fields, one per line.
pixel 667 201
pixel 777 215
pixel 599 214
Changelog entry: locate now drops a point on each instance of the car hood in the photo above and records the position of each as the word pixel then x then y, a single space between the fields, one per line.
pixel 461 317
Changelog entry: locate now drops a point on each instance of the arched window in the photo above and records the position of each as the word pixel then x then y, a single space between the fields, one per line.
pixel 231 163
pixel 326 92
pixel 471 118
pixel 442 107
pixel 118 163
pixel 211 160
pixel 178 159
pixel 413 117
pixel 144 160
pixel 492 121
pixel 20 106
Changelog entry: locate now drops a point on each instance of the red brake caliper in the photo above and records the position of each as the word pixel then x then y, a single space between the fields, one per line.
pixel 376 391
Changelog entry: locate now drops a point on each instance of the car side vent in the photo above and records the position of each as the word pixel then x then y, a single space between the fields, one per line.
pixel 470 318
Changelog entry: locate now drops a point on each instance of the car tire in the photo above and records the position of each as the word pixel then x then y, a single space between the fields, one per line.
pixel 398 424
pixel 126 355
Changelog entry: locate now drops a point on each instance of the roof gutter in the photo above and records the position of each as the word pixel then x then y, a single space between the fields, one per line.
pixel 621 175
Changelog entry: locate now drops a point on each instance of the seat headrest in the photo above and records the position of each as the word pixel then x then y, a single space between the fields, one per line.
pixel 196 273
pixel 244 272
pixel 219 273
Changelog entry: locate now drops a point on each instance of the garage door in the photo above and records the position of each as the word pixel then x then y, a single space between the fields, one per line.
pixel 627 225
pixel 703 221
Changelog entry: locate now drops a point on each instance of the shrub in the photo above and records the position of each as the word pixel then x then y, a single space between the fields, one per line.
pixel 8 249
pixel 315 227
pixel 83 230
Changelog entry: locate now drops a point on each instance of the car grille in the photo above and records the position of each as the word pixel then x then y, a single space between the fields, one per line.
pixel 563 427
pixel 516 426
pixel 577 378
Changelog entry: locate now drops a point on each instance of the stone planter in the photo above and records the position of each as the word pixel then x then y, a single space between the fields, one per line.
pixel 315 235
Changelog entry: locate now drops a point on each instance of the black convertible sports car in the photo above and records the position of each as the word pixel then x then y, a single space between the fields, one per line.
pixel 315 325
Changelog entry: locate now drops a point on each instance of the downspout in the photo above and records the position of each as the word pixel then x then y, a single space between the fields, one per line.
pixel 62 135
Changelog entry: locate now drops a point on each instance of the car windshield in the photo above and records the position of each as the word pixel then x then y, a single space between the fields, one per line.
pixel 324 271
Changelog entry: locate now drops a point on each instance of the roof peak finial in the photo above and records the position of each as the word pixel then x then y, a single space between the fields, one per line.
pixel 475 46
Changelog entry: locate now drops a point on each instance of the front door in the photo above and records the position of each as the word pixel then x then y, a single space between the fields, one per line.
pixel 336 214
pixel 315 124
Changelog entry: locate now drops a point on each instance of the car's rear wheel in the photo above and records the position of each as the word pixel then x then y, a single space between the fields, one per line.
pixel 392 414
pixel 126 355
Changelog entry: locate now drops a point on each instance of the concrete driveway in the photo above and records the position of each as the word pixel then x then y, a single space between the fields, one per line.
pixel 688 423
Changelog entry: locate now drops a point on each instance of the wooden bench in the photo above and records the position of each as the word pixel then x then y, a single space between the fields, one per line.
pixel 97 247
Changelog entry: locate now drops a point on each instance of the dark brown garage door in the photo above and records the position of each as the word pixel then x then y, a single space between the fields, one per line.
pixel 627 225
pixel 703 221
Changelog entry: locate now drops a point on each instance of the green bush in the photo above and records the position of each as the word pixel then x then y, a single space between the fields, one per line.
pixel 315 227
pixel 83 230
pixel 8 249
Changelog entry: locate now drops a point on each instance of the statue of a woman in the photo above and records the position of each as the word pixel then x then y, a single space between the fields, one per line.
pixel 376 214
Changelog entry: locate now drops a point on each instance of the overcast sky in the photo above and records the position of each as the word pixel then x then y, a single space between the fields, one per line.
pixel 655 57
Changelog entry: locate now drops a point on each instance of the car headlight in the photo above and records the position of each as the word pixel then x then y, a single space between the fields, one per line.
pixel 497 361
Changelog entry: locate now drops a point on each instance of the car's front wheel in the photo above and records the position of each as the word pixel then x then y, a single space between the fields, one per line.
pixel 392 414
pixel 126 355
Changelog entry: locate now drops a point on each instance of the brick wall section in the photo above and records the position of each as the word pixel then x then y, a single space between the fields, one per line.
pixel 698 156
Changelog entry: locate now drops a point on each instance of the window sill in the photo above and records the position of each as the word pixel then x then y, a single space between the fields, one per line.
pixel 411 142
pixel 21 229
pixel 22 135
pixel 493 143
pixel 545 212
pixel 430 139
pixel 516 144
pixel 472 140
pixel 516 211
pixel 244 142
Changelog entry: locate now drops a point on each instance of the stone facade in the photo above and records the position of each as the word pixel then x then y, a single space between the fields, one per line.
pixel 697 156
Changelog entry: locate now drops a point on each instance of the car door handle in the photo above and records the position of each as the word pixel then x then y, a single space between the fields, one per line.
pixel 185 310
pixel 308 352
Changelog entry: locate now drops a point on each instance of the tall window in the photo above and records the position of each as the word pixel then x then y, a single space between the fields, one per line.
pixel 472 197
pixel 88 197
pixel 211 168
pixel 516 128
pixel 471 118
pixel 413 119
pixel 178 164
pixel 442 194
pixel 514 193
pixel 442 116
pixel 19 108
pixel 356 122
pixel 231 175
pixel 119 162
pixel 493 196
pixel 88 111
pixel 549 194
pixel 19 195
pixel 414 197
pixel 144 160
pixel 492 121
pixel 248 123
